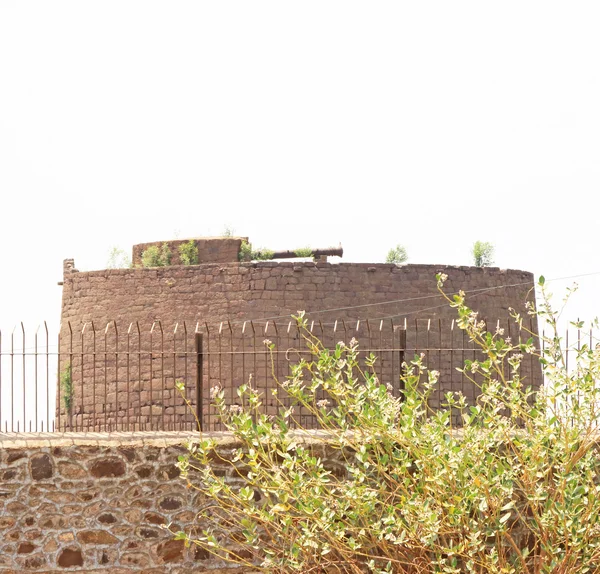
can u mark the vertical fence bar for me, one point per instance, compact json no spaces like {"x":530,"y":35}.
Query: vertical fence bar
{"x":12,"y":381}
{"x":231,"y":363}
{"x":254,"y":353}
{"x":185,"y":374}
{"x":35,"y":376}
{"x":106,"y":377}
{"x":151,"y":374}
{"x":128,"y":379}
{"x":95,"y":408}
{"x":452,"y":368}
{"x":162,"y":375}
{"x":174,"y":387}
{"x":139,"y":362}
{"x":47,"y":380}
{"x":116,"y":376}
{"x":402,"y":354}
{"x":243,"y":343}
{"x":208,"y":372}
{"x":220,"y":355}
{"x":58,"y":408}
{"x":276,"y":358}
{"x":266,"y":352}
{"x":199,"y":382}
{"x":82,"y":374}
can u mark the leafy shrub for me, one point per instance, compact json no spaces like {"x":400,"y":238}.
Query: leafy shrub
{"x":118,"y":259}
{"x":247,"y":253}
{"x":397,"y":255}
{"x":165,"y":255}
{"x":154,"y":256}
{"x":483,"y":254}
{"x":304,"y":252}
{"x":188,"y":253}
{"x":516,"y":489}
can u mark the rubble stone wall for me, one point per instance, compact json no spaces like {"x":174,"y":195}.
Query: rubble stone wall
{"x":96,"y":503}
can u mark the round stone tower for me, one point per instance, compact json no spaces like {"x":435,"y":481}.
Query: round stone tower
{"x":129,"y":334}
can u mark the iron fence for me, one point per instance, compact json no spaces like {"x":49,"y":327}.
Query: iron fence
{"x":122,"y":377}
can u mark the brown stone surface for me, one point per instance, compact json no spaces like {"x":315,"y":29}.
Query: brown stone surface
{"x":107,"y":467}
{"x":47,"y":526}
{"x":25,"y":548}
{"x":171,"y":550}
{"x":41,"y":467}
{"x":208,"y":296}
{"x":96,"y":537}
{"x":69,"y":557}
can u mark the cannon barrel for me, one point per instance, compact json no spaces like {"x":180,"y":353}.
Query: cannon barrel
{"x":306,"y":252}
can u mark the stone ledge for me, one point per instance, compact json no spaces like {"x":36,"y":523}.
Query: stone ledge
{"x":161,"y":439}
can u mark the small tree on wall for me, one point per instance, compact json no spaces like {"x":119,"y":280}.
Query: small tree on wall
{"x":188,"y":253}
{"x":397,"y":255}
{"x":483,"y":254}
{"x":118,"y":259}
{"x":154,"y":256}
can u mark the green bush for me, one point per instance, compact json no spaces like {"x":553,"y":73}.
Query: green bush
{"x":155,"y":256}
{"x":483,"y":254}
{"x":516,"y":489}
{"x":188,"y":253}
{"x":304,"y":252}
{"x":247,"y":253}
{"x":397,"y":255}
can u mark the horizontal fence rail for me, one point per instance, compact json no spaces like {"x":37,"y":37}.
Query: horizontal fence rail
{"x":124,"y":376}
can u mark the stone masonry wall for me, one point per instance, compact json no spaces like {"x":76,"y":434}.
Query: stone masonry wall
{"x":235,"y":291}
{"x":96,"y":503}
{"x":217,"y":298}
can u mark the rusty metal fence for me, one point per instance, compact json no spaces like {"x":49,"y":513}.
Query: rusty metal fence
{"x":122,"y":377}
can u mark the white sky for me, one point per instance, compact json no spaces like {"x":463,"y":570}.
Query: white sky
{"x":431,"y":124}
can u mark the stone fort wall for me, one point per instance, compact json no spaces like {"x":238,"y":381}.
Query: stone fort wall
{"x":167,"y":307}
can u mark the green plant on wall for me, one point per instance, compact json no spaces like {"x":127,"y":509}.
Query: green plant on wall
{"x":165,"y":255}
{"x":483,"y":254}
{"x":247,"y":253}
{"x":155,"y":256}
{"x":397,"y":255}
{"x":151,"y":257}
{"x":66,"y":386}
{"x":118,"y":259}
{"x":188,"y":253}
{"x":304,"y":252}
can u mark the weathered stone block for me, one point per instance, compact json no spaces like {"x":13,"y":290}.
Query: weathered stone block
{"x":107,"y":467}
{"x":41,"y":467}
{"x":96,"y":537}
{"x":70,"y":557}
